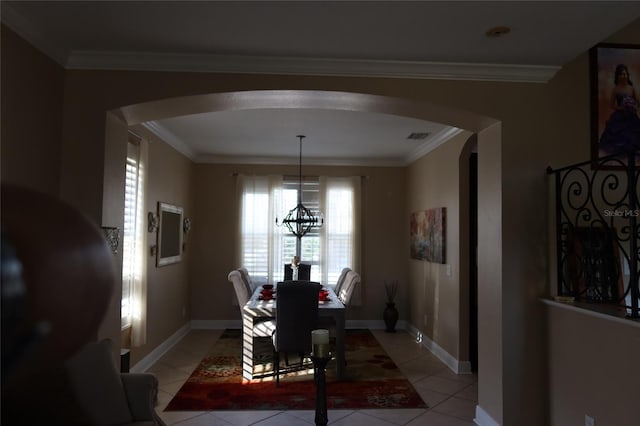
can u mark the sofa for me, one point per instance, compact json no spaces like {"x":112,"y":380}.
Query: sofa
{"x":108,"y":397}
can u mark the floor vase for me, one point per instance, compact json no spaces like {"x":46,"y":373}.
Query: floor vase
{"x":390,"y":317}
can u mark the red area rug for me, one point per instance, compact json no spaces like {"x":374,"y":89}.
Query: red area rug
{"x":373,"y":380}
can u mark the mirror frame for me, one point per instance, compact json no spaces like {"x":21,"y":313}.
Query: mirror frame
{"x":169,"y":231}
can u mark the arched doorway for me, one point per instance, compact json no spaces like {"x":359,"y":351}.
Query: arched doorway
{"x":468,"y":172}
{"x":488,"y":136}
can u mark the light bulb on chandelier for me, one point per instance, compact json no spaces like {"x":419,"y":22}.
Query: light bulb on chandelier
{"x":300,"y":219}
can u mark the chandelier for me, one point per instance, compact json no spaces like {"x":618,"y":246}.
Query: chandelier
{"x":300,"y":220}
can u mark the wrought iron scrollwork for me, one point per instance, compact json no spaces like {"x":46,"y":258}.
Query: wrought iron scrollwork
{"x":597,"y":231}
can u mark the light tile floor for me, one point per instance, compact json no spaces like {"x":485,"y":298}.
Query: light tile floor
{"x":451,"y":397}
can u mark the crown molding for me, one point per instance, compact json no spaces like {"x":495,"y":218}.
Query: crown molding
{"x":144,"y":61}
{"x":432,"y":143}
{"x":176,"y":62}
{"x":171,"y":139}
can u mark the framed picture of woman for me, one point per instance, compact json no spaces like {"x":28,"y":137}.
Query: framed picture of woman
{"x":615,"y":98}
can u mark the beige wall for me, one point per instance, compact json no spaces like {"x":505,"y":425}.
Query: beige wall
{"x":491,"y":345}
{"x":168,"y":304}
{"x":432,"y":182}
{"x":31,"y":116}
{"x":539,"y":125}
{"x":593,"y":365}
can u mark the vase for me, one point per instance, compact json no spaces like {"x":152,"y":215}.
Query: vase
{"x":390,"y":317}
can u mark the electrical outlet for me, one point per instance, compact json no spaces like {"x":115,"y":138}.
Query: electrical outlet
{"x":448,"y":270}
{"x":589,"y":421}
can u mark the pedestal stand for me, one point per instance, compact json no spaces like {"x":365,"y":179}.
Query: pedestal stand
{"x":319,"y":366}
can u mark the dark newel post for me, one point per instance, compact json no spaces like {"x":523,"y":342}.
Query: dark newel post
{"x":633,"y":240}
{"x":558,"y":210}
{"x":320,"y":363}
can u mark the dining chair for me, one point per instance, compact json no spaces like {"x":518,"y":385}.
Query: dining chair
{"x":341,"y":278}
{"x":296,"y":317}
{"x":344,"y":291}
{"x":328,"y":322}
{"x":304,"y":272}
{"x":263,"y":327}
{"x":336,"y":289}
{"x":241,"y":287}
{"x":351,"y":281}
{"x":247,"y":278}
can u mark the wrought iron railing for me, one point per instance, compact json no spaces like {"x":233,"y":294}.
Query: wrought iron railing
{"x":597,"y":232}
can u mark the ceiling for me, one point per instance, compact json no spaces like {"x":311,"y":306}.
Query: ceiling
{"x":409,"y":39}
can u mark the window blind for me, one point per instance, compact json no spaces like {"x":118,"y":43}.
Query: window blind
{"x":128,"y":234}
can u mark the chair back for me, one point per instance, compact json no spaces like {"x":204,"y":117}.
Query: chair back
{"x":296,"y":315}
{"x":244,"y":273}
{"x":304,"y":272}
{"x":243,"y":292}
{"x":346,"y":291}
{"x":341,"y":278}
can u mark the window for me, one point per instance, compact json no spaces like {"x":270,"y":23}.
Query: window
{"x":266,"y":248}
{"x":255,"y":234}
{"x":134,"y":243}
{"x":129,"y":232}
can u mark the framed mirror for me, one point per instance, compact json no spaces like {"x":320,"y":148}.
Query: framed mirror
{"x":169,"y":234}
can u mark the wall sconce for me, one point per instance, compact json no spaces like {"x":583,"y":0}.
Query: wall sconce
{"x":186,"y":225}
{"x":112,"y":235}
{"x":152,"y":219}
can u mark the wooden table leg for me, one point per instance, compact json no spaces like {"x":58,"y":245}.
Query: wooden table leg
{"x":340,"y":347}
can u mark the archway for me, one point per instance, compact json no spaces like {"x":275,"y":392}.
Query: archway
{"x":486,"y":129}
{"x":298,"y":99}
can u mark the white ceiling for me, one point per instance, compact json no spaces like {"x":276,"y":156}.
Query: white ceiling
{"x":410,"y":39}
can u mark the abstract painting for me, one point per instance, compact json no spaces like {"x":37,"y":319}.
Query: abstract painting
{"x":428,"y":235}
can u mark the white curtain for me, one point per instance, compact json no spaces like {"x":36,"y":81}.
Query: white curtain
{"x":139,"y":265}
{"x":340,"y":235}
{"x":260,"y":248}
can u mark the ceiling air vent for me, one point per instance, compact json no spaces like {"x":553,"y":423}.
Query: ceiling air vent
{"x":418,"y":135}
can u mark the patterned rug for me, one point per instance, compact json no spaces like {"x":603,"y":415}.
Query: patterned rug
{"x":373,"y":380}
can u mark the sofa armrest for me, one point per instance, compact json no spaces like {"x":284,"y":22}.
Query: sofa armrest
{"x":142,"y":395}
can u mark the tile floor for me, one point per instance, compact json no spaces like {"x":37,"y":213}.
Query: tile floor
{"x":451,"y":398}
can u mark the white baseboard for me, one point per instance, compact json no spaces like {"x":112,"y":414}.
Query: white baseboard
{"x":483,"y":418}
{"x":458,"y":367}
{"x":146,"y":362}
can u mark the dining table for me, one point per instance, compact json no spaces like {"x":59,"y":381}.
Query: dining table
{"x":258,"y":308}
